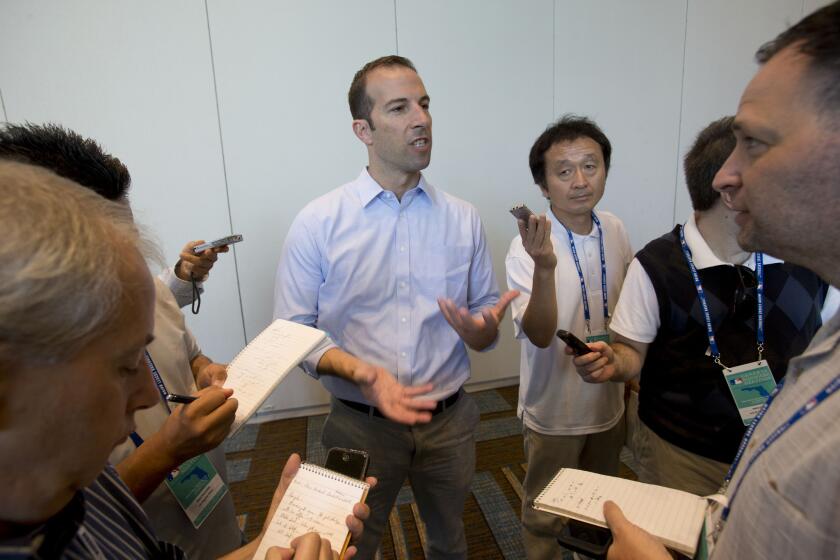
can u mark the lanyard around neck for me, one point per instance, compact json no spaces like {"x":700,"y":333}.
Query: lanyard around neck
{"x":701,"y":295}
{"x":584,"y":295}
{"x":135,"y":437}
{"x":805,"y":409}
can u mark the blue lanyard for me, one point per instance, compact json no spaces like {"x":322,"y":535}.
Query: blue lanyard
{"x":701,"y":295}
{"x":135,"y":437}
{"x":586,"y":314}
{"x":806,"y":408}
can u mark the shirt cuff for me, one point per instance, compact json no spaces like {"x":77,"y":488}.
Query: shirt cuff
{"x":181,"y":289}
{"x":310,"y":363}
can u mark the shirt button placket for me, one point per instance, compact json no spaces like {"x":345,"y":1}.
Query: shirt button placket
{"x":403,"y":372}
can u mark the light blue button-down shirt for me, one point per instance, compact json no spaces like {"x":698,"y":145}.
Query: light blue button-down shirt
{"x":368,"y":269}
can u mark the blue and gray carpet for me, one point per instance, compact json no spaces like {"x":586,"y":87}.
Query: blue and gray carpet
{"x":491,"y":514}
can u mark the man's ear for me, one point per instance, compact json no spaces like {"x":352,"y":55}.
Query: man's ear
{"x":361,"y":128}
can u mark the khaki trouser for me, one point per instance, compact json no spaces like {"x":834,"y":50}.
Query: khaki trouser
{"x":666,"y":464}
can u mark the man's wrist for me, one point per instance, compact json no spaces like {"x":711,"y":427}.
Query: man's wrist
{"x":165,"y":449}
{"x":544,"y":271}
{"x":357,"y":375}
{"x":179,"y":272}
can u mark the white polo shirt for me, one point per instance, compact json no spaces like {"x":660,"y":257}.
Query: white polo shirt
{"x":553,"y":399}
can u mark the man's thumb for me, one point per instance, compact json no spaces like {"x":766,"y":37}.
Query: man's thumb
{"x":614,"y":516}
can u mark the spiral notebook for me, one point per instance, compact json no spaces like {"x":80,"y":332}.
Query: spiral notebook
{"x":257,"y":370}
{"x":672,"y":516}
{"x":318,"y":500}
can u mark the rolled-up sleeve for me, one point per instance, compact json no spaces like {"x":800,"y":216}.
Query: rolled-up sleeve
{"x":483,"y":288}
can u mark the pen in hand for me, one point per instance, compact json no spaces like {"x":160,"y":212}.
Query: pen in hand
{"x":180,"y":399}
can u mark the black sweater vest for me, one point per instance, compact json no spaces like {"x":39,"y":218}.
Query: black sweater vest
{"x":684,"y":397}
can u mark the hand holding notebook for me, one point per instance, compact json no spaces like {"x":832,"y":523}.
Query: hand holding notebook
{"x":674,"y":517}
{"x":316,"y":500}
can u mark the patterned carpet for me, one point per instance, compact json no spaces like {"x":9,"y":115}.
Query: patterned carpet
{"x":491,"y":514}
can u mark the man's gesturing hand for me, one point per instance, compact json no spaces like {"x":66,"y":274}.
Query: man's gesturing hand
{"x":477,"y":330}
{"x":396,"y":402}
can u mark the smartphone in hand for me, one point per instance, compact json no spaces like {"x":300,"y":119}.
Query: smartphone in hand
{"x":521,"y":212}
{"x":577,"y":345}
{"x":349,"y":462}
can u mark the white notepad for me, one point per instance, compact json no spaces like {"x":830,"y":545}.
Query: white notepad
{"x":672,"y":516}
{"x":317,"y":500}
{"x":255,"y":372}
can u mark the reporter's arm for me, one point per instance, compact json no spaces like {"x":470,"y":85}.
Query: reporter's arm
{"x":619,"y":361}
{"x":189,"y":431}
{"x":539,"y":322}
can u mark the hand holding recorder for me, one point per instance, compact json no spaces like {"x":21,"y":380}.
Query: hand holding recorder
{"x":535,"y":232}
{"x":197,"y":257}
{"x":595,"y":362}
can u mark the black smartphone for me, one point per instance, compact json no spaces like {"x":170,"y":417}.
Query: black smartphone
{"x":349,"y":462}
{"x":577,"y":345}
{"x":589,"y":540}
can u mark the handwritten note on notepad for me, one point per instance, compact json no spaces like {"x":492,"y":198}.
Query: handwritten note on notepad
{"x":317,"y":500}
{"x":673,"y":516}
{"x":265,"y":362}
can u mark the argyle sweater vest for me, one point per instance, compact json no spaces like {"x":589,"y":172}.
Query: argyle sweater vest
{"x":684,"y":398}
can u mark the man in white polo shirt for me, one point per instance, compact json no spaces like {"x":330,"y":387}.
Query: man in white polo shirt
{"x":568,"y":266}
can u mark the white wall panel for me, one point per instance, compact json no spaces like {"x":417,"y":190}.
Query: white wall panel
{"x":719,"y":62}
{"x":137,"y":77}
{"x":283,"y":70}
{"x":621,"y":64}
{"x":809,"y":6}
{"x":487,"y":68}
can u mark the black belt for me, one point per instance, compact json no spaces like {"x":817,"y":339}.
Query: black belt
{"x":373,"y":411}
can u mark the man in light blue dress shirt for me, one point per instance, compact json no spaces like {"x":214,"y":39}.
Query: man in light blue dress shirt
{"x":398,"y":274}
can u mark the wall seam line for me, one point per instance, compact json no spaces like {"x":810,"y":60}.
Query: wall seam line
{"x":679,"y":121}
{"x":224,"y":167}
{"x":553,"y":60}
{"x":3,"y":107}
{"x":397,"y":30}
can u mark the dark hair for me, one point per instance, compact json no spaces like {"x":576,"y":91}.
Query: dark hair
{"x":818,"y":37}
{"x":704,"y":159}
{"x":568,"y":129}
{"x":360,"y":102}
{"x":67,"y":154}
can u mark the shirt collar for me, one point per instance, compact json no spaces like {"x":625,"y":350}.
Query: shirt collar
{"x":702,"y":254}
{"x":559,"y":229}
{"x":50,"y":539}
{"x":367,"y":189}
